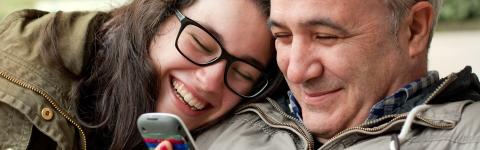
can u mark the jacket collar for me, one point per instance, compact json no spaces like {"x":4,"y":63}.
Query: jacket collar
{"x":466,"y":86}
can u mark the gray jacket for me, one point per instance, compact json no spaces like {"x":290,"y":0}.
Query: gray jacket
{"x":259,"y":125}
{"x":449,"y":122}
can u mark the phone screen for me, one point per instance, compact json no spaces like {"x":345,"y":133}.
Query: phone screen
{"x":153,"y":139}
{"x":157,"y":127}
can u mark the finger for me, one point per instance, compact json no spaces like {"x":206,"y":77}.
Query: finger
{"x":164,"y":145}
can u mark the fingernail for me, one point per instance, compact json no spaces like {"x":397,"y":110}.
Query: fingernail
{"x":163,"y":147}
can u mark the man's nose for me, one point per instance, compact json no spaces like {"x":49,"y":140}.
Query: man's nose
{"x":211,"y":77}
{"x":304,"y":63}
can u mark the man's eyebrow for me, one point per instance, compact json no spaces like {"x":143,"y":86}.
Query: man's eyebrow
{"x":272,"y":23}
{"x":324,"y":22}
{"x":312,"y":23}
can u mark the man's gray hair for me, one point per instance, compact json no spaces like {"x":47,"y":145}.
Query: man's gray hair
{"x":401,"y":7}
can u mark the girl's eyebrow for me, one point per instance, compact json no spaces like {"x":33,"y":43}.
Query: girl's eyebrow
{"x":253,"y":61}
{"x":215,"y":34}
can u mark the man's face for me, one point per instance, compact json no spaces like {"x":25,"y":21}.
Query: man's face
{"x":339,"y":58}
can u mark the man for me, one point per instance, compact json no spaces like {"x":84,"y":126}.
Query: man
{"x":350,"y":62}
{"x":357,"y":71}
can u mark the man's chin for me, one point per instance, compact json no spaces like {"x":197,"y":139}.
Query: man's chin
{"x":323,"y":126}
{"x":323,"y":134}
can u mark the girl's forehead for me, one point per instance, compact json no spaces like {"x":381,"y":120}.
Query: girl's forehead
{"x":240,"y":26}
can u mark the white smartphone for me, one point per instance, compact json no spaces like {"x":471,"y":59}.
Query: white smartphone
{"x":157,"y":127}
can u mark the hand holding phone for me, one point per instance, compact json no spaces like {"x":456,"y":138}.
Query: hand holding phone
{"x":164,"y":145}
{"x":157,"y":127}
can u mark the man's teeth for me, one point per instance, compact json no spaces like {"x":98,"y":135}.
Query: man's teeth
{"x":187,"y":97}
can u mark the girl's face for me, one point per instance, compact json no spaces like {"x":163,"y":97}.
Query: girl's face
{"x":198,"y":94}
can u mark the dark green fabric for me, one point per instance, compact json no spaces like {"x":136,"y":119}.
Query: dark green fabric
{"x":22,"y":37}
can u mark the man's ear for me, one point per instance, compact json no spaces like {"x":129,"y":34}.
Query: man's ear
{"x":419,"y":23}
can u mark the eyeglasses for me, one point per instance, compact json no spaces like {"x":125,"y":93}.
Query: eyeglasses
{"x":201,"y":48}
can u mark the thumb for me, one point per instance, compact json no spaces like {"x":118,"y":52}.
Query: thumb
{"x":164,"y":145}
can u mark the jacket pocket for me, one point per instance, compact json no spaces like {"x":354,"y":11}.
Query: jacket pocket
{"x":15,"y":128}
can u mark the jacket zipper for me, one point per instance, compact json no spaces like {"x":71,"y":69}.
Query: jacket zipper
{"x":306,"y":132}
{"x":395,"y":117}
{"x":448,"y":81}
{"x":269,"y":121}
{"x":51,"y":101}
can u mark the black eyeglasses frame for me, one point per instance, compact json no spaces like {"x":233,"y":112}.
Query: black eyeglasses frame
{"x":184,"y":22}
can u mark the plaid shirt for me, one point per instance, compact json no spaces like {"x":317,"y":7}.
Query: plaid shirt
{"x":404,"y":97}
{"x":402,"y":100}
{"x":294,"y":107}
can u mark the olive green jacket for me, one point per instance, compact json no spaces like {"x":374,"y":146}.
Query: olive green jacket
{"x":35,"y":111}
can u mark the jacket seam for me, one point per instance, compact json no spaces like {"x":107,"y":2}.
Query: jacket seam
{"x":9,"y":20}
{"x":437,"y":140}
{"x":34,"y":72}
{"x":28,"y":67}
{"x":257,"y":122}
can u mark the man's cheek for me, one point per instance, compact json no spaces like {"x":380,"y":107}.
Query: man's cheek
{"x":282,"y":61}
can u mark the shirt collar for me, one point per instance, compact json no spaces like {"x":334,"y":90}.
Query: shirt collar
{"x":394,"y":103}
{"x":294,"y":107}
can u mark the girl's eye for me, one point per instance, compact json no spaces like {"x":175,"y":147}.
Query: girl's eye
{"x":244,"y":75}
{"x":202,"y":46}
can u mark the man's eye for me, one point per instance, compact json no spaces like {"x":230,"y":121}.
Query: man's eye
{"x":282,"y":38}
{"x":325,"y":37}
{"x":281,"y":35}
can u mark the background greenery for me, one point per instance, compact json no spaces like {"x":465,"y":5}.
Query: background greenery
{"x":460,"y":15}
{"x":8,"y":6}
{"x":455,"y":14}
{"x":457,"y":10}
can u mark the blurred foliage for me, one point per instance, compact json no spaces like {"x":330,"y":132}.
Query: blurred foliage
{"x":459,"y":10}
{"x":9,"y":6}
{"x":453,"y":12}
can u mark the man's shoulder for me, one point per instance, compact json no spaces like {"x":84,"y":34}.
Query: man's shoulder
{"x":470,"y":117}
{"x":464,"y":134}
{"x":466,"y":129}
{"x":462,"y":113}
{"x":244,"y":131}
{"x":247,"y":118}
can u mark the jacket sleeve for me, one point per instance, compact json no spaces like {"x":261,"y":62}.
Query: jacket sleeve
{"x":33,"y":92}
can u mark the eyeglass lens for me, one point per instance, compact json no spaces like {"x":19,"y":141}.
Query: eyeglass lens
{"x":201,"y":48}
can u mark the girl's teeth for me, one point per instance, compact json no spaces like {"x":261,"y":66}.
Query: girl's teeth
{"x":187,"y":96}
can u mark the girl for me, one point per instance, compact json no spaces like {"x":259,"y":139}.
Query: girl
{"x":78,"y":79}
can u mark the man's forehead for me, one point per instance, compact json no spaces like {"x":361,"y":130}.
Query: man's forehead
{"x":302,"y":13}
{"x":327,"y":12}
{"x":302,"y":9}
